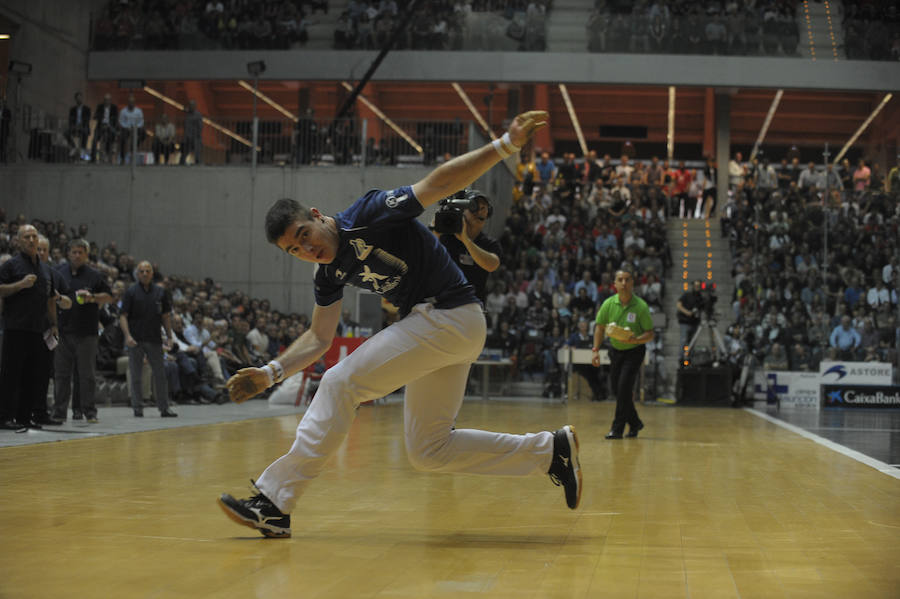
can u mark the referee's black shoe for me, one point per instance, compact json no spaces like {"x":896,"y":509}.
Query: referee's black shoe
{"x":565,"y":469}
{"x":257,"y":512}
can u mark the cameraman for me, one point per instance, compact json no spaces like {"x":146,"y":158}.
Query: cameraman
{"x":689,"y":306}
{"x":475,"y":253}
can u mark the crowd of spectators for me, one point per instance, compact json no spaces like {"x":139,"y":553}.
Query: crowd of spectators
{"x":216,"y":332}
{"x":871,"y":30}
{"x":726,"y":27}
{"x":792,"y":310}
{"x":571,"y":226}
{"x":284,"y":24}
{"x":198,"y":24}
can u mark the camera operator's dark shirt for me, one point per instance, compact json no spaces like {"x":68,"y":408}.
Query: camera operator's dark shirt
{"x":474,"y":274}
{"x":691,"y":301}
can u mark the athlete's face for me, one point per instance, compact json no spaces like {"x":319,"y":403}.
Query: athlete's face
{"x":314,"y":240}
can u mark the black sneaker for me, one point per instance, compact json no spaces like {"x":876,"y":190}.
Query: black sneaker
{"x":565,"y":470}
{"x":257,"y":512}
{"x":77,"y":416}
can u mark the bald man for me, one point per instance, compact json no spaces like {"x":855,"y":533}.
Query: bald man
{"x":146,"y":308}
{"x":29,"y":315}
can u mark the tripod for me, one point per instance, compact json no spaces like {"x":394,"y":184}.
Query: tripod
{"x":715,"y":338}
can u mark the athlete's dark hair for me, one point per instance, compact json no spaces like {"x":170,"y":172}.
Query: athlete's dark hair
{"x":280,"y":216}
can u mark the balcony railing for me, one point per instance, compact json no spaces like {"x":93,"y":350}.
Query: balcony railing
{"x":39,"y":137}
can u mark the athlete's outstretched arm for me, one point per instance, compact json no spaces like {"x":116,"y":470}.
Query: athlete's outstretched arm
{"x":305,"y":350}
{"x":463,"y":170}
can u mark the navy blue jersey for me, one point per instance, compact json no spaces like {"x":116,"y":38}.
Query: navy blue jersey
{"x":383,"y":248}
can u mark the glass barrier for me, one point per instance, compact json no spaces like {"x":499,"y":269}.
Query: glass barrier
{"x":229,"y":141}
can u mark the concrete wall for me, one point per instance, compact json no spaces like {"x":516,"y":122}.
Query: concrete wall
{"x":205,"y":221}
{"x":540,"y":67}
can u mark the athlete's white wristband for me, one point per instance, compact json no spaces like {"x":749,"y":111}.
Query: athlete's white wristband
{"x":505,"y":147}
{"x":277,"y":370}
{"x":268,"y":370}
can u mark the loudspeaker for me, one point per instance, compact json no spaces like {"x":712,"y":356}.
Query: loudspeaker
{"x":704,"y":386}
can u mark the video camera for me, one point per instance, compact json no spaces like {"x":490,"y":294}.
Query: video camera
{"x":449,"y":215}
{"x":708,"y":299}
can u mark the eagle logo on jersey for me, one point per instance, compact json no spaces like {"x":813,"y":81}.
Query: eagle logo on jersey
{"x":369,"y":276}
{"x":361,"y":248}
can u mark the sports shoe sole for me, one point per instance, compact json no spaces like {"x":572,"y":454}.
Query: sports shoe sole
{"x":237,"y":518}
{"x":573,"y":442}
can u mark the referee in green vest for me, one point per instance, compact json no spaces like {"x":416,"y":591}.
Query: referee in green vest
{"x":633,"y":328}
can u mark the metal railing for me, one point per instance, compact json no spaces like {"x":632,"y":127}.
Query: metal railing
{"x":38,"y":137}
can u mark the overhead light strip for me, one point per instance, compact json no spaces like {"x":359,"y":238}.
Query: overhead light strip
{"x":268,"y":100}
{"x":206,"y":121}
{"x":387,"y":121}
{"x":574,"y":118}
{"x":765,"y":128}
{"x":670,"y":134}
{"x":866,"y":123}
{"x":475,"y":114}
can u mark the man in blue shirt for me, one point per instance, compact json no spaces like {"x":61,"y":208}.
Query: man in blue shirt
{"x":377,"y":244}
{"x":845,"y":338}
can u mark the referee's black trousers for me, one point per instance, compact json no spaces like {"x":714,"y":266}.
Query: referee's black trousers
{"x":624,"y":366}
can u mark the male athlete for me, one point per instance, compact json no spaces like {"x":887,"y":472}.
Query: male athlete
{"x":377,"y":244}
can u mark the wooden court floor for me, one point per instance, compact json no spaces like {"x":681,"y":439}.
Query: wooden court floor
{"x":710,"y":503}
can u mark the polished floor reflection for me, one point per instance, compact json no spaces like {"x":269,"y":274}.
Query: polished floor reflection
{"x":707,"y":502}
{"x":873,"y":432}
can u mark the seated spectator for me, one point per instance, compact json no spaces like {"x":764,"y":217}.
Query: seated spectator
{"x":845,"y":339}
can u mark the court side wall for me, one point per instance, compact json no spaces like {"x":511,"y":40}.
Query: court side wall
{"x":206,"y":221}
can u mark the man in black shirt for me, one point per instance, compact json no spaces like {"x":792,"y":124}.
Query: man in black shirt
{"x":688,"y":306}
{"x":77,"y":350}
{"x":145,"y":308}
{"x":476,"y":253}
{"x":28,"y":303}
{"x":39,"y":413}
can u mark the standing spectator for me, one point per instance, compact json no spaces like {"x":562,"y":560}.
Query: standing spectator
{"x":193,"y":129}
{"x":79,"y":126}
{"x":626,"y":319}
{"x":131,"y":122}
{"x":164,"y":140}
{"x":546,"y":170}
{"x":28,"y":302}
{"x":809,"y":178}
{"x":146,"y":308}
{"x":892,"y":183}
{"x":736,"y":171}
{"x":845,"y":339}
{"x":107,"y":121}
{"x":39,"y":413}
{"x":861,"y":177}
{"x":77,"y":351}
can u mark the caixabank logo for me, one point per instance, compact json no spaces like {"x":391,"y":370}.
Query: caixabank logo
{"x":860,"y":396}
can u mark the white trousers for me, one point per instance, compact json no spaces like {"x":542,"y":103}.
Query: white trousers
{"x":430,"y":351}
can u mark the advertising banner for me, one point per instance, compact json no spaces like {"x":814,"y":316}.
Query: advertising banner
{"x":791,"y":389}
{"x":855,"y":373}
{"x":861,"y":396}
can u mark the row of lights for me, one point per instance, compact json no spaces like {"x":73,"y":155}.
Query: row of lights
{"x":809,"y":33}
{"x":686,"y":283}
{"x":831,"y":30}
